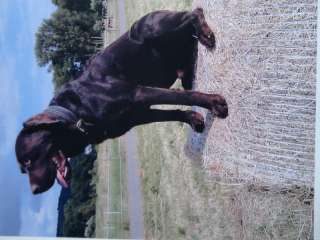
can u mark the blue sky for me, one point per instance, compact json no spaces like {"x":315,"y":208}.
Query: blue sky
{"x":25,"y":89}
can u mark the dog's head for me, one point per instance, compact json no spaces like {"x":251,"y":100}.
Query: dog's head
{"x":43,"y":147}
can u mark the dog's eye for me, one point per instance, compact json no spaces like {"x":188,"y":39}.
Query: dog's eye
{"x":28,"y":163}
{"x":27,"y":166}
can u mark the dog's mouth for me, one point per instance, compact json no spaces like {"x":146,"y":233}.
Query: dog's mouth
{"x":63,"y":168}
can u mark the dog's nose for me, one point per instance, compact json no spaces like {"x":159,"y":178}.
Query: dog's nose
{"x":35,"y":189}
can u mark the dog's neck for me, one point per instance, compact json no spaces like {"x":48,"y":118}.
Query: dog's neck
{"x":69,"y":117}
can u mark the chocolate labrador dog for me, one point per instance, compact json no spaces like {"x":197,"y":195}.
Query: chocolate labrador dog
{"x":115,"y":93}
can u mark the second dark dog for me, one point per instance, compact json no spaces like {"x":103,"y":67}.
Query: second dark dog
{"x":115,"y":93}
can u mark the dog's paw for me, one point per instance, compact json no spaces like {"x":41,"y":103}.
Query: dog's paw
{"x":196,"y":121}
{"x":219,"y":106}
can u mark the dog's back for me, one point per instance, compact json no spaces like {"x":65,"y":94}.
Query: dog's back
{"x":150,"y":53}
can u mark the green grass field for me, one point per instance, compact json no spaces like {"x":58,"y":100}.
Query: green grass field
{"x":176,"y":194}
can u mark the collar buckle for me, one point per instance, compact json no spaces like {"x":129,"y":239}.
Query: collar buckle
{"x":80,"y":126}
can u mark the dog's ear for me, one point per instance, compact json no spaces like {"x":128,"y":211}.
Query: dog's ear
{"x":41,"y":121}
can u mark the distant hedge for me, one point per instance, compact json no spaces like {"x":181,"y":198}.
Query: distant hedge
{"x":82,"y":202}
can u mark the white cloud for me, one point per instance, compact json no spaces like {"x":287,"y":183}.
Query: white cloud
{"x":44,"y":221}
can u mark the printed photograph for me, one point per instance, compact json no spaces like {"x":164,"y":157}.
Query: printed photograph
{"x":158,"y":119}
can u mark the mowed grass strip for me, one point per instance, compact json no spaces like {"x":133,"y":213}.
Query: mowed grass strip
{"x":112,"y":219}
{"x":101,"y":205}
{"x":118,"y":212}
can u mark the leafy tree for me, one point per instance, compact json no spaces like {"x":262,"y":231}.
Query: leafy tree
{"x":64,"y":43}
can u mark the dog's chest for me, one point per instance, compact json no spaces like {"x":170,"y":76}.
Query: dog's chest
{"x":112,"y":127}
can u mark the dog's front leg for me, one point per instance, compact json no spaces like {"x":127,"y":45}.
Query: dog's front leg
{"x":144,"y":116}
{"x":154,"y":96}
